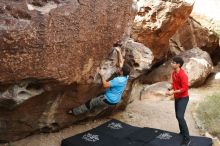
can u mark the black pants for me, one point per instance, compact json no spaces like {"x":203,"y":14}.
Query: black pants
{"x":180,"y":108}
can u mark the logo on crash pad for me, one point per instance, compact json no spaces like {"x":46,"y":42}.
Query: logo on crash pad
{"x":90,"y":137}
{"x":114,"y":125}
{"x":164,"y":136}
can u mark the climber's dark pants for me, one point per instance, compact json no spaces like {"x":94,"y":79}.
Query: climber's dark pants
{"x":180,"y":108}
{"x":98,"y":101}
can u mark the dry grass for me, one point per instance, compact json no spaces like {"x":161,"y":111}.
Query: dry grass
{"x":209,"y":114}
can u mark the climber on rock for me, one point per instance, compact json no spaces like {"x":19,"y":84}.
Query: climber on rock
{"x":115,"y":89}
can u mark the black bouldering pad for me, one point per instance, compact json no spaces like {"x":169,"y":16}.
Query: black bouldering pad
{"x":117,"y":129}
{"x":117,"y":133}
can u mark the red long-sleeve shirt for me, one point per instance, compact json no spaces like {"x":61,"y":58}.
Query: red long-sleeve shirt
{"x":180,"y":82}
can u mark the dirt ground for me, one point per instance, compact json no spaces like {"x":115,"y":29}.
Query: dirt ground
{"x":144,"y":113}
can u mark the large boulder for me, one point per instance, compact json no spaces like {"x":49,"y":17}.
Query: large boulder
{"x":213,"y":80}
{"x":49,"y":54}
{"x":155,"y":91}
{"x":61,"y":40}
{"x":157,"y":21}
{"x":191,"y":35}
{"x":150,"y":92}
{"x":213,"y":25}
{"x":198,"y":65}
{"x":138,"y":56}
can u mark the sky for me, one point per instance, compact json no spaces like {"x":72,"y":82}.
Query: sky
{"x":210,"y":8}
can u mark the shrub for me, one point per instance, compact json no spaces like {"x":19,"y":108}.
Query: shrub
{"x":208,"y":113}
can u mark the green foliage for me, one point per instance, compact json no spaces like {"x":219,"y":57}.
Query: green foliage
{"x":217,"y":30}
{"x":209,"y":114}
{"x":9,"y":144}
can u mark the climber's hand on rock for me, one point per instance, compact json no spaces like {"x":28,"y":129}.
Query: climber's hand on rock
{"x":101,"y":72}
{"x":117,"y":49}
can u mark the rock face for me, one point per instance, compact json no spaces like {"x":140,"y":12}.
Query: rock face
{"x":198,"y":65}
{"x":214,"y":78}
{"x":155,"y":91}
{"x":191,"y":35}
{"x":138,"y":56}
{"x":49,"y":54}
{"x":49,"y":39}
{"x":157,"y":21}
